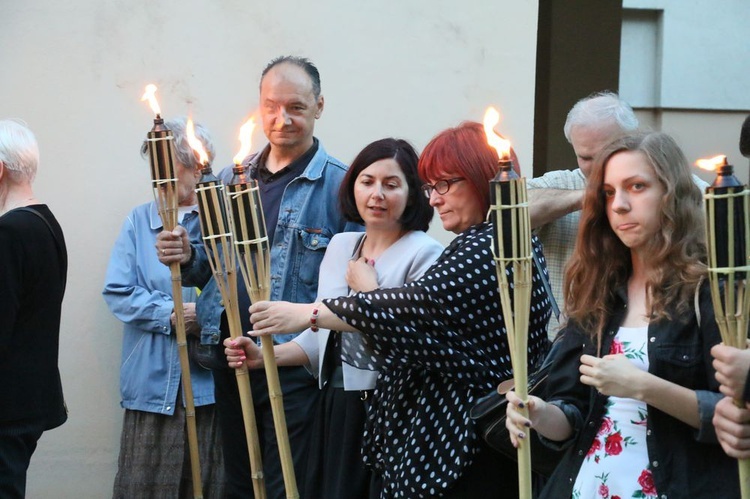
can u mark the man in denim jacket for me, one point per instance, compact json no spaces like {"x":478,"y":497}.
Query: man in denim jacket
{"x":299,"y":185}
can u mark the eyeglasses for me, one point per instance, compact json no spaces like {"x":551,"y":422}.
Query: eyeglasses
{"x":441,"y":186}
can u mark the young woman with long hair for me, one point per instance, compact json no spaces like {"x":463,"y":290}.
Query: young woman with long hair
{"x":632,"y":390}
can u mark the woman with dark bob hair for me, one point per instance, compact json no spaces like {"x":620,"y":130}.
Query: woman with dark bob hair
{"x":632,"y":389}
{"x":439,"y":341}
{"x":381,"y":190}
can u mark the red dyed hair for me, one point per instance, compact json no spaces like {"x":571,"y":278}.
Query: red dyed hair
{"x":463,"y":151}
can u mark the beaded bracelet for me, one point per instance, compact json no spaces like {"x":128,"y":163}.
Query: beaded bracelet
{"x":314,"y":320}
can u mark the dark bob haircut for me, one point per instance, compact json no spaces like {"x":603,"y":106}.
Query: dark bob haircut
{"x":418,"y":212}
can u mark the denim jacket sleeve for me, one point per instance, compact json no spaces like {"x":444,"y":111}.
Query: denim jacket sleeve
{"x":564,"y":388}
{"x":135,"y":279}
{"x":707,"y":401}
{"x":209,"y":305}
{"x":710,"y":335}
{"x":197,"y":272}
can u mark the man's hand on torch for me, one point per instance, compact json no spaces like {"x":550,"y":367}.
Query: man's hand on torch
{"x":732,"y":366}
{"x":173,"y":246}
{"x":732,"y":425}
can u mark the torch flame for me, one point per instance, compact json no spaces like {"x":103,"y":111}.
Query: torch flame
{"x":246,"y":135}
{"x":712,"y":164}
{"x":149,"y":95}
{"x":502,"y":146}
{"x":195,"y":143}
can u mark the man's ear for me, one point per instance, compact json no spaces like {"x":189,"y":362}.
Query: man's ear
{"x":2,"y":170}
{"x":321,"y":104}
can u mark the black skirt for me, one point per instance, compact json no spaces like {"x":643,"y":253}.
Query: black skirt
{"x":335,"y":469}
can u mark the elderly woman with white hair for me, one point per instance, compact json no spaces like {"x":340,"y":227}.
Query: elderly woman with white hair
{"x":34,"y":264}
{"x":154,"y":454}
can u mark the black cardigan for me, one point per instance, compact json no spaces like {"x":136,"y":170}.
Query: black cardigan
{"x":33,"y":266}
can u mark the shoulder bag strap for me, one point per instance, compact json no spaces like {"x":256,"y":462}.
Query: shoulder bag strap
{"x":547,"y":287}
{"x":58,"y":245}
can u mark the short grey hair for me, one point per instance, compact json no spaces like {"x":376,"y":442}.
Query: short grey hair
{"x":601,"y":109}
{"x":182,"y":150}
{"x":19,"y":150}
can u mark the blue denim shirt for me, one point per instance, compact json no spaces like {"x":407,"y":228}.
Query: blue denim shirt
{"x":309,"y":217}
{"x":138,"y":291}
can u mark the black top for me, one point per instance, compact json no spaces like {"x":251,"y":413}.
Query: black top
{"x":33,"y":265}
{"x":685,"y":462}
{"x":273,"y":185}
{"x":440,"y":344}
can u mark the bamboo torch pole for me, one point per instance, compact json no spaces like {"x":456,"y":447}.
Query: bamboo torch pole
{"x":728,"y":239}
{"x":219,"y":244}
{"x":509,"y":213}
{"x":251,"y":240}
{"x":164,"y":182}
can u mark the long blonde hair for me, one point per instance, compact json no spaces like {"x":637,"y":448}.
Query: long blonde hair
{"x":601,"y":263}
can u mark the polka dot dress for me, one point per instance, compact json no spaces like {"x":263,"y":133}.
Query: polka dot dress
{"x":439,"y":343}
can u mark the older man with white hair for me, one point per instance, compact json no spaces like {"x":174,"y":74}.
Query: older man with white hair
{"x":34,"y":264}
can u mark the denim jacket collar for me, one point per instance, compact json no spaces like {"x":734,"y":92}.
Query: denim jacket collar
{"x":154,"y":220}
{"x":314,"y":168}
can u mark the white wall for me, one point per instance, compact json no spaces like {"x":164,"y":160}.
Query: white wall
{"x":684,"y":68}
{"x":75,"y":70}
{"x":704,"y":55}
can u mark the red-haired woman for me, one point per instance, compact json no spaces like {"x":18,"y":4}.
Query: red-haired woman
{"x":632,"y":389}
{"x":439,"y":342}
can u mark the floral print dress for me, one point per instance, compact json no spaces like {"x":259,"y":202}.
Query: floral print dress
{"x":617,"y":465}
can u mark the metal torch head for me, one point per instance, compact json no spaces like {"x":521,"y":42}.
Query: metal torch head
{"x":727,"y":231}
{"x":509,"y":214}
{"x":160,"y":144}
{"x":212,"y":204}
{"x":248,"y":221}
{"x":506,"y":171}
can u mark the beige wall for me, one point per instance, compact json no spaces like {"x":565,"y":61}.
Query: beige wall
{"x":75,"y":70}
{"x":702,"y":134}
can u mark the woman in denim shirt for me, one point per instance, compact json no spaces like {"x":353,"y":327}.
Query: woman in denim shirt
{"x":633,"y":392}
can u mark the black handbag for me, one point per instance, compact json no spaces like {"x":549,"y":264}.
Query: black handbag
{"x":488,"y":415}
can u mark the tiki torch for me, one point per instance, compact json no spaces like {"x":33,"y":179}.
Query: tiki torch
{"x":251,"y":241}
{"x":164,"y":182}
{"x":728,"y":238}
{"x":217,"y":238}
{"x":509,"y":213}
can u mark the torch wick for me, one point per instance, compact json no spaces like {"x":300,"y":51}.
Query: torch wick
{"x":726,"y":169}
